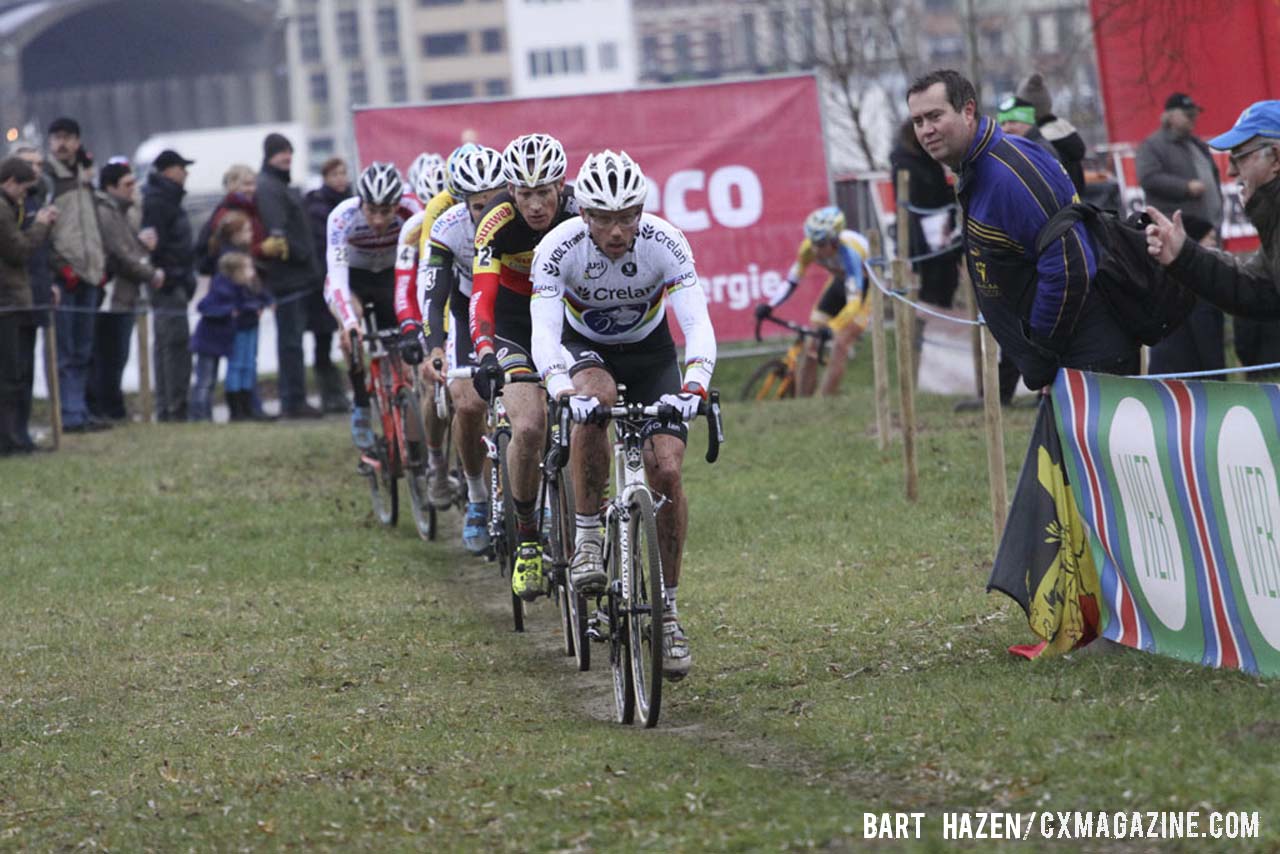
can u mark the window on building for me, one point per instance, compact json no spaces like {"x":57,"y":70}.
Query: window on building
{"x":388,"y":31}
{"x":576,"y":59}
{"x":491,"y":40}
{"x":557,"y":60}
{"x":778,"y":23}
{"x":749,"y":51}
{"x":357,"y":86}
{"x":608,"y":56}
{"x":713,"y":63}
{"x":684,"y":53}
{"x":808,"y":38}
{"x":444,"y":44}
{"x":495,"y":87}
{"x":348,"y":33}
{"x":309,"y":37}
{"x":440,"y":2}
{"x":450,"y":91}
{"x":397,"y":84}
{"x":650,"y":51}
{"x":318,"y":87}
{"x":1047,"y":33}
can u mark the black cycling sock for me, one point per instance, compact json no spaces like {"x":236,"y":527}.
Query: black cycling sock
{"x":526,"y":520}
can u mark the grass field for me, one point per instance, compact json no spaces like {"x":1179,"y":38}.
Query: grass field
{"x":208,"y":644}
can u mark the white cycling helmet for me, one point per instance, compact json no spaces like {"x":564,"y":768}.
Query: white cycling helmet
{"x":380,"y":184}
{"x":475,"y":170}
{"x":427,"y":176}
{"x":533,"y":160}
{"x":610,"y":181}
{"x":824,"y":224}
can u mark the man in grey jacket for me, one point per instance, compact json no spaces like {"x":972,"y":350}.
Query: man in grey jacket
{"x":290,"y":270}
{"x":78,"y":264}
{"x":129,"y":265}
{"x":1247,"y":286}
{"x":1176,"y":168}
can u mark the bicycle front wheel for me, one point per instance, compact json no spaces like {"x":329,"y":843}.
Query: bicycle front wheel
{"x":384,"y":475}
{"x":644,"y":606}
{"x":507,"y":554}
{"x":415,"y":464}
{"x":624,"y":695}
{"x":560,"y":501}
{"x":770,"y":380}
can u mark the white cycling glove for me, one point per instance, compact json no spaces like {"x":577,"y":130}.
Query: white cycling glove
{"x":684,"y":403}
{"x":582,"y":407}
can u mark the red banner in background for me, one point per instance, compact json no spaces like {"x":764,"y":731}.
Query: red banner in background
{"x":736,"y":166}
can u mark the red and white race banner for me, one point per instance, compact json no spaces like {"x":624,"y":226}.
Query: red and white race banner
{"x":736,"y":166}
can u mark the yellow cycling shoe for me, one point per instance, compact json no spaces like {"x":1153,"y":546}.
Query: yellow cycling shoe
{"x":526,"y":576}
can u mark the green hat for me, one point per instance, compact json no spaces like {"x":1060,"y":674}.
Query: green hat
{"x":1014,"y":109}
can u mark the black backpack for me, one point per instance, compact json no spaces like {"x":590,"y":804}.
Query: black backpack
{"x":1147,"y":302}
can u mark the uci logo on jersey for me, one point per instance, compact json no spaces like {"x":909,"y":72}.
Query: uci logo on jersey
{"x":611,"y":321}
{"x":595,"y":269}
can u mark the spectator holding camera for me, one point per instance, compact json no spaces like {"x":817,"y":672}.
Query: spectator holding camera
{"x":17,"y":331}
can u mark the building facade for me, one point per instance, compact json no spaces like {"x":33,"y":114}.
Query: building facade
{"x":565,"y":47}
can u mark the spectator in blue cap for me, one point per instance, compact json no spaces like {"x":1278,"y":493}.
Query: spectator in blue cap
{"x":1248,"y":286}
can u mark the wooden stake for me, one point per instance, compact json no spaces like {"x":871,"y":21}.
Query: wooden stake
{"x":51,"y":378}
{"x":903,"y":316}
{"x":995,"y":435}
{"x":879,"y":357}
{"x":144,"y":365}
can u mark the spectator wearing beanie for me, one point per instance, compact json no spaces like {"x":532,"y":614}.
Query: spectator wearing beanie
{"x":289,"y":270}
{"x":1196,"y":345}
{"x":78,"y":263}
{"x":320,"y":202}
{"x":1061,"y":134}
{"x":130,"y":270}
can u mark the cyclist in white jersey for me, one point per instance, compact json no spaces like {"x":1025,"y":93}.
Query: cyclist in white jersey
{"x":610,"y":274}
{"x":360,"y":253}
{"x":444,"y":281}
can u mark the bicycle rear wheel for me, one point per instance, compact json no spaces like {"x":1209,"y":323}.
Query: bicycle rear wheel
{"x":624,"y":695}
{"x":507,"y":551}
{"x":644,"y":607}
{"x":768,"y":381}
{"x":415,"y":464}
{"x":383,"y":476}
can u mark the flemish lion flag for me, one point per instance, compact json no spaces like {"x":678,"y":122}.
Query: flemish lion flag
{"x":1044,"y":561}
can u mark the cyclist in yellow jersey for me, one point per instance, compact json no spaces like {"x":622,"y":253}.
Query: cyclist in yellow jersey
{"x":843,"y":307}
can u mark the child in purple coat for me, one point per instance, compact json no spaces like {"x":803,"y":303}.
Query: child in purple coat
{"x":228,"y":329}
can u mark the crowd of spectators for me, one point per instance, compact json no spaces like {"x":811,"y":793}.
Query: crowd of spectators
{"x":72,"y":232}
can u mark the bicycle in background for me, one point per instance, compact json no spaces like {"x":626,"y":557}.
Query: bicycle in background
{"x":776,"y":378}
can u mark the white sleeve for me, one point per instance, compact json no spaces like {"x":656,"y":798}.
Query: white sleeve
{"x":337,"y":288}
{"x":689,"y":302}
{"x":546,"y":309}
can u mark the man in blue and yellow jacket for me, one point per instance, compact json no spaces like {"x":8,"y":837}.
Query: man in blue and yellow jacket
{"x":1042,"y":309}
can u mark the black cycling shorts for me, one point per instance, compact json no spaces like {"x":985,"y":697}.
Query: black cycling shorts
{"x":648,"y":368}
{"x":376,"y":288}
{"x":833,"y":298}
{"x":513,"y":332}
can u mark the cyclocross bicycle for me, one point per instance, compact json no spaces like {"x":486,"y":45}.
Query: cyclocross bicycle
{"x":776,"y":378}
{"x":628,"y":615}
{"x":399,"y":448}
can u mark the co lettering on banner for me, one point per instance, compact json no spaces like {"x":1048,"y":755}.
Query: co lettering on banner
{"x":732,"y":197}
